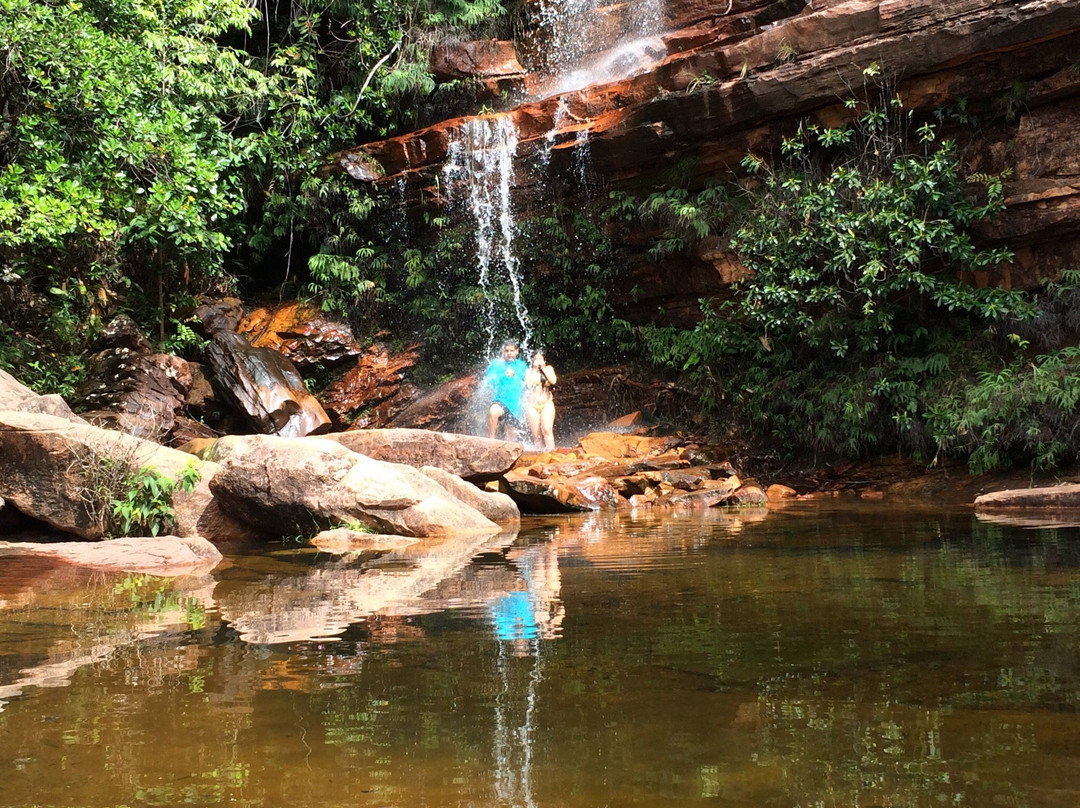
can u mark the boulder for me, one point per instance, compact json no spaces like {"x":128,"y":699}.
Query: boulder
{"x":777,"y":492}
{"x":495,"y":506}
{"x":1055,"y":496}
{"x":480,"y":58}
{"x":376,"y":379}
{"x":157,"y":555}
{"x":16,"y":396}
{"x":218,"y":316}
{"x":342,"y":540}
{"x":286,"y":484}
{"x":129,"y":387}
{"x":265,"y":387}
{"x":51,"y":468}
{"x":472,"y":458}
{"x":559,"y":494}
{"x":302,"y":332}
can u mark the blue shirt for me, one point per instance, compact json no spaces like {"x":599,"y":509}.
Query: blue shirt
{"x":508,"y":389}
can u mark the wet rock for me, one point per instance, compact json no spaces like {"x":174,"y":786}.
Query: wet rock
{"x":130,"y":388}
{"x":218,"y":316}
{"x":559,"y":494}
{"x":776,"y":492}
{"x":709,"y":495}
{"x":375,"y":380}
{"x":475,"y":459}
{"x":445,"y":409}
{"x":265,"y":387}
{"x":284,"y":484}
{"x":1049,"y":497}
{"x":301,"y":332}
{"x":481,"y":58}
{"x":343,"y":540}
{"x":153,"y":555}
{"x":749,"y":494}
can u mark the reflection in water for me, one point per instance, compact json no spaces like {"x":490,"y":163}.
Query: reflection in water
{"x":524,"y":621}
{"x":320,"y":602}
{"x":827,"y":654}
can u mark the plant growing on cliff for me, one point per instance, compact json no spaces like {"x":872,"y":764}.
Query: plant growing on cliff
{"x":858,"y":313}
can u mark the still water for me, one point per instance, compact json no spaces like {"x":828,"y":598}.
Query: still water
{"x":824,"y":654}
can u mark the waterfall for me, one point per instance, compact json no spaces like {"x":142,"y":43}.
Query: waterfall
{"x":482,"y":159}
{"x":585,"y":41}
{"x":589,"y":41}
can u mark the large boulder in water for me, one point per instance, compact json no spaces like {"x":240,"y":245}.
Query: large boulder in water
{"x":53,"y":470}
{"x":288,"y":484}
{"x":472,"y":458}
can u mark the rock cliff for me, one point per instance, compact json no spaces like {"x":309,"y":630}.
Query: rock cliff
{"x":738,"y":75}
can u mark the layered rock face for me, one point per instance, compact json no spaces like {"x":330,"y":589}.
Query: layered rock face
{"x":739,"y":75}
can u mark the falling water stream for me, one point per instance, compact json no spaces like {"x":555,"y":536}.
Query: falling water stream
{"x":484,"y":148}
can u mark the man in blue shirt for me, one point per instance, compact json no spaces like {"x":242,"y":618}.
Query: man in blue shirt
{"x":506,"y":379}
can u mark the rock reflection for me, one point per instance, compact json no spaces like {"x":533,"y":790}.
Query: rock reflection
{"x":321,"y":602}
{"x":86,"y":617}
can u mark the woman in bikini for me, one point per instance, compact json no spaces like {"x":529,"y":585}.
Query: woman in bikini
{"x":539,"y":403}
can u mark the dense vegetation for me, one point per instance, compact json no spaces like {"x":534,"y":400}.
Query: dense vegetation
{"x":155,"y":150}
{"x":858,"y":329}
{"x":152,"y":150}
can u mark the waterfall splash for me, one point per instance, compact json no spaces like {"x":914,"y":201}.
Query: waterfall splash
{"x":588,"y":41}
{"x":482,"y":159}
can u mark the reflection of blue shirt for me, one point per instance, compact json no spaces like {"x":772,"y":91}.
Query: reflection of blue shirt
{"x":508,"y":388}
{"x":513,"y":617}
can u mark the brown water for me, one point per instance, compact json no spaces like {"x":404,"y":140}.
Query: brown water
{"x":820,"y":655}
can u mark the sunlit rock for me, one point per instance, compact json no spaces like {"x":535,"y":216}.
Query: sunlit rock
{"x":375,"y":381}
{"x":495,"y":506}
{"x":283,"y":484}
{"x":343,"y":540}
{"x":150,"y":555}
{"x":559,"y":494}
{"x":52,"y":469}
{"x":16,"y":396}
{"x":1049,"y":497}
{"x":479,"y":58}
{"x":301,"y":332}
{"x":473,"y":458}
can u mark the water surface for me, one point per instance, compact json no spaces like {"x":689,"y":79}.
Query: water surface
{"x":824,"y":654}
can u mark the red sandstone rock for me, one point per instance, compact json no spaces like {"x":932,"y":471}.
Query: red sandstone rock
{"x":488,"y":57}
{"x":376,"y":378}
{"x":301,"y":332}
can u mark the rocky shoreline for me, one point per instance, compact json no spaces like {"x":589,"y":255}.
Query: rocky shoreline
{"x":369,"y":489}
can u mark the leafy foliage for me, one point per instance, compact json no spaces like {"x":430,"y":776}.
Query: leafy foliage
{"x":856,"y":329}
{"x":145,"y":504}
{"x":146,"y":147}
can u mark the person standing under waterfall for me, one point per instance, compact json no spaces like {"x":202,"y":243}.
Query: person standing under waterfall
{"x":539,"y":402}
{"x":506,"y":378}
